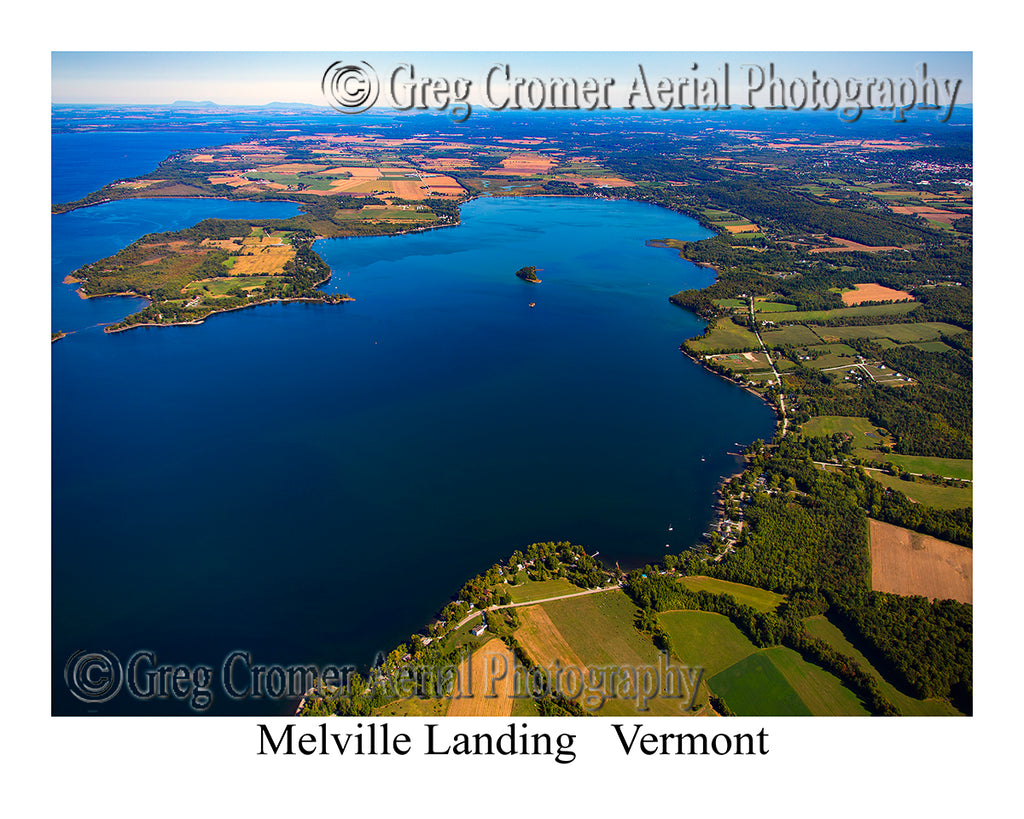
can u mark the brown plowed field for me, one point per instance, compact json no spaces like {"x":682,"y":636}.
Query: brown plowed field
{"x":905,"y":562}
{"x":874,"y":292}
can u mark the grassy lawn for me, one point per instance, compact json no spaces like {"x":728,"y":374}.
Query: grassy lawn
{"x":863,"y":431}
{"x":731,"y":302}
{"x":773,"y":307}
{"x":752,"y":596}
{"x":726,"y":335}
{"x":941,"y":497}
{"x":819,"y":626}
{"x":538,"y":590}
{"x":925,"y":465}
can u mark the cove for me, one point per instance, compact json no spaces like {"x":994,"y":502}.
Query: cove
{"x":310,"y":483}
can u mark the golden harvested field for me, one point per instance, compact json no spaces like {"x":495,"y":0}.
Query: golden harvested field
{"x":525,"y":164}
{"x":874,"y":292}
{"x":224,"y":244}
{"x":905,"y":562}
{"x":233,"y":181}
{"x":267,"y":260}
{"x":342,"y":185}
{"x":749,"y":228}
{"x":409,"y":189}
{"x":606,"y":181}
{"x":441,"y":185}
{"x":446,"y":164}
{"x":486,"y":666}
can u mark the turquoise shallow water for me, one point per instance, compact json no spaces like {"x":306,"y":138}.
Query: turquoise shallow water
{"x":311,"y":482}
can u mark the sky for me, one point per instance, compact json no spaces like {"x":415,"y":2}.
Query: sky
{"x":257,"y":78}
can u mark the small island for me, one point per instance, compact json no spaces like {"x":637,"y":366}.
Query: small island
{"x":528,"y":274}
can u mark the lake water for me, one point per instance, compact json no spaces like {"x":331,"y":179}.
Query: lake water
{"x":310,"y":483}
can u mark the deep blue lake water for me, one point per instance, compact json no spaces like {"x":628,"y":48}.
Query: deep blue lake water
{"x":311,"y":483}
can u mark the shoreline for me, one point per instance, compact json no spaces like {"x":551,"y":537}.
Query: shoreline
{"x":110,"y":331}
{"x":108,"y":200}
{"x":732,"y":380}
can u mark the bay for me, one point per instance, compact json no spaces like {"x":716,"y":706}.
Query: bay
{"x":310,"y":483}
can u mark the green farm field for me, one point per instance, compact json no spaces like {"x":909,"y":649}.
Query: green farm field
{"x":600,"y":629}
{"x":703,"y":639}
{"x":924,"y":465}
{"x":899,"y":333}
{"x":941,"y":497}
{"x":897,"y":309}
{"x":819,"y":690}
{"x":726,"y":335}
{"x":752,"y":596}
{"x":220,"y":287}
{"x":863,"y":431}
{"x":799,"y":335}
{"x":833,"y":349}
{"x":778,"y":681}
{"x":756,"y":687}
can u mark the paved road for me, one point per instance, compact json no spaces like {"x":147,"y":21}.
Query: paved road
{"x":475,"y":614}
{"x":881,"y":469}
{"x":778,"y":378}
